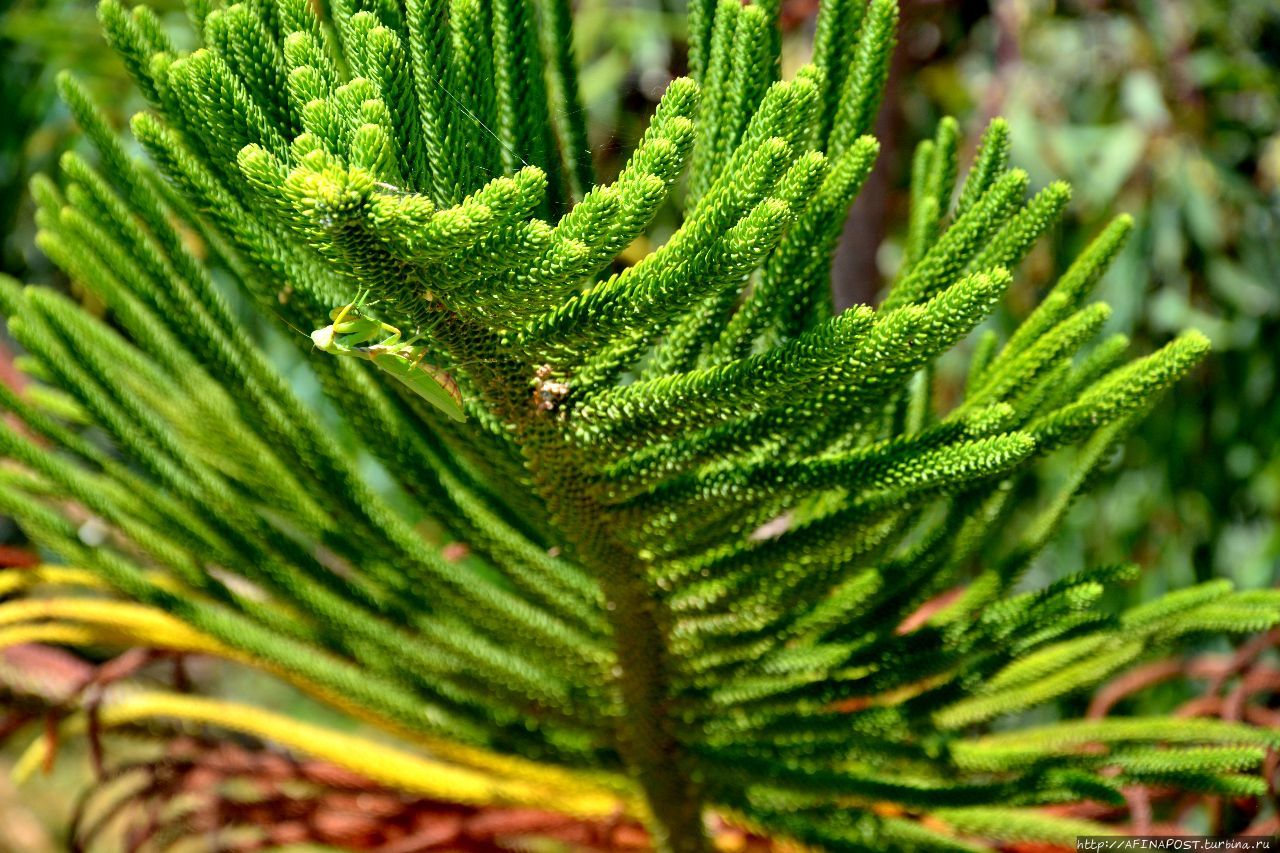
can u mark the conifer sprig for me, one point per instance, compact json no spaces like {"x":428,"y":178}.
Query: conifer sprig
{"x":701,"y":508}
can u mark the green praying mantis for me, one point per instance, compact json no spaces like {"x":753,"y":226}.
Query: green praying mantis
{"x":353,"y":334}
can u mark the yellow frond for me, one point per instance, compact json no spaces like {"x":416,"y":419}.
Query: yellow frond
{"x":379,"y":762}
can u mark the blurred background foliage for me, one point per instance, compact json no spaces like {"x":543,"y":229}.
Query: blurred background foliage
{"x":1169,"y":111}
{"x":1166,"y":109}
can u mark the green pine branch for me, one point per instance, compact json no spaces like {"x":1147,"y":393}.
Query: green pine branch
{"x":700,"y":510}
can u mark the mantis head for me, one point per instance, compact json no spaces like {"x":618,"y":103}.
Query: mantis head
{"x":323,"y":339}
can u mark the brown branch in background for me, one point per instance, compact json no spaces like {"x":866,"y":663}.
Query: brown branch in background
{"x":1131,"y":682}
{"x":17,"y":557}
{"x":1239,"y":687}
{"x":925,"y":611}
{"x":797,"y":13}
{"x":240,"y":796}
{"x":1246,"y":656}
{"x":42,"y":673}
{"x":244,"y":799}
{"x":10,"y":375}
{"x":855,"y":272}
{"x":1138,"y":800}
{"x":1007,"y":16}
